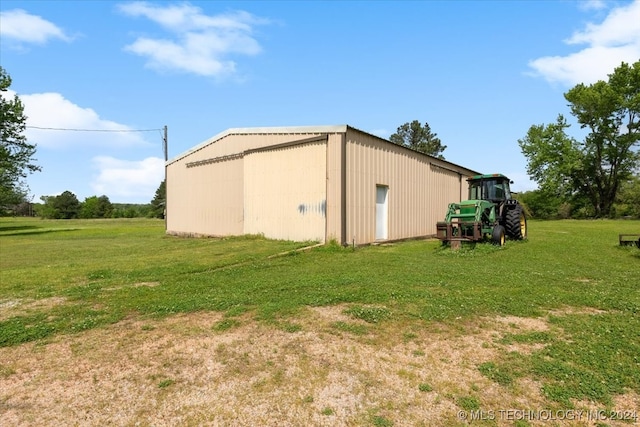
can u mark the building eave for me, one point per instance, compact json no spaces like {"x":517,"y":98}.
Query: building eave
{"x":261,"y":131}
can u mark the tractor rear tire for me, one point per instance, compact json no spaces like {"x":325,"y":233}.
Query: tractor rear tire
{"x":497,"y":235}
{"x":516,"y":223}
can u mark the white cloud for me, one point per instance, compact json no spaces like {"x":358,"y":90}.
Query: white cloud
{"x":125,"y":179}
{"x":20,"y":26}
{"x":80,"y":161}
{"x":621,"y":27}
{"x":592,"y":5}
{"x":197,"y":43}
{"x":614,"y":40}
{"x":52,"y":110}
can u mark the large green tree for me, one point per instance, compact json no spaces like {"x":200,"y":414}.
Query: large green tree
{"x":628,"y":201}
{"x":553,"y":157}
{"x":594,"y":168}
{"x":159,"y":202}
{"x":63,"y":206}
{"x":67,"y":205}
{"x":96,"y":207}
{"x":16,"y":154}
{"x":420,"y":138}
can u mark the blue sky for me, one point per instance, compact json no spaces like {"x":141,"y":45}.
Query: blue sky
{"x":479,"y":72}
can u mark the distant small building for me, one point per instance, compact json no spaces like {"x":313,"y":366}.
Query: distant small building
{"x":316,"y":183}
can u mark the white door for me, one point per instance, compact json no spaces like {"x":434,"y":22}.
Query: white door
{"x":382,"y":212}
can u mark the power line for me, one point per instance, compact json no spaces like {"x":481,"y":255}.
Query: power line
{"x":163,"y":133}
{"x":94,"y":130}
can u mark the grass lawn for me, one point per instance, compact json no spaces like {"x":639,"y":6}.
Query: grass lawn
{"x":556,"y":318}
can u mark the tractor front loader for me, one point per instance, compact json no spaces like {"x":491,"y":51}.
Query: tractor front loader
{"x":490,"y":212}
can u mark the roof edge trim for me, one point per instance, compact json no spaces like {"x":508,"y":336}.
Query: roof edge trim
{"x":258,"y":131}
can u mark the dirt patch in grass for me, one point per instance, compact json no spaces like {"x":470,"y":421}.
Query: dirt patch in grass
{"x":184,"y":371}
{"x":564,"y":311}
{"x":332,"y":313}
{"x":523,"y":323}
{"x":135,"y":285}
{"x":146,"y":284}
{"x":18,"y":307}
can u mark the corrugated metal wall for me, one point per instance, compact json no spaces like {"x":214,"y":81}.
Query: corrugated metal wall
{"x":336,"y":173}
{"x":285,"y":192}
{"x":205,"y":186}
{"x":418,"y":189}
{"x":206,"y":199}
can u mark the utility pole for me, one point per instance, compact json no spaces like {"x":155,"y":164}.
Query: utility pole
{"x":165,"y":144}
{"x":165,"y":147}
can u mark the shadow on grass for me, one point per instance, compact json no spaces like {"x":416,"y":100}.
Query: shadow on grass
{"x":630,"y":249}
{"x":30,"y":230}
{"x":17,"y":227}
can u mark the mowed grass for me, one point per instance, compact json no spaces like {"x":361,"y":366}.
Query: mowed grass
{"x":61,"y":277}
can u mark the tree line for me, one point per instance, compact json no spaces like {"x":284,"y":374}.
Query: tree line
{"x":543,"y":204}
{"x":67,"y":206}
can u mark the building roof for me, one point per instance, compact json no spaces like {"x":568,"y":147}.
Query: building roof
{"x":262,"y":130}
{"x":322,"y":129}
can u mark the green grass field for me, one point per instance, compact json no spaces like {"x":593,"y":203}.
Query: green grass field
{"x":66,"y":277}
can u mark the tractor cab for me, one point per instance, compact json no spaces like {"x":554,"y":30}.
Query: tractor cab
{"x":494,"y":188}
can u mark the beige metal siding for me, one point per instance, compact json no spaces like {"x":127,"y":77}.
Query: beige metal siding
{"x":205,"y":199}
{"x":285,"y":192}
{"x":447,"y":186}
{"x":335,"y":178}
{"x":239,"y":143}
{"x":418,"y":191}
{"x":205,"y":185}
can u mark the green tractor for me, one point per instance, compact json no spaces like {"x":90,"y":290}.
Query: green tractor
{"x":490,"y":212}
